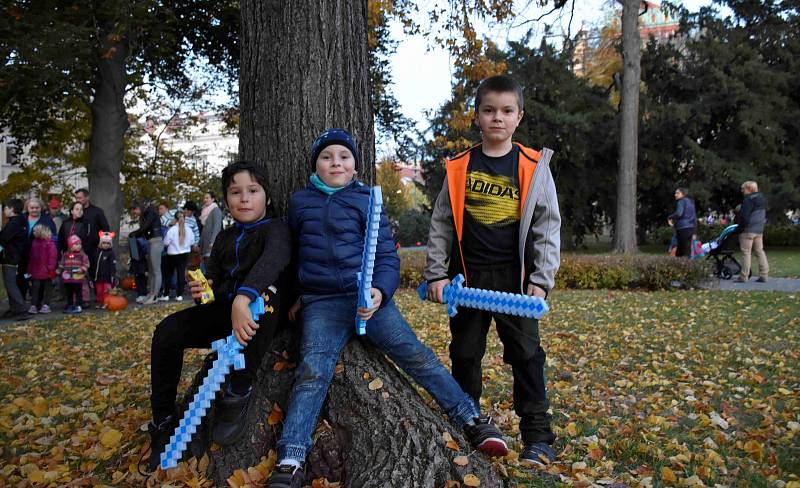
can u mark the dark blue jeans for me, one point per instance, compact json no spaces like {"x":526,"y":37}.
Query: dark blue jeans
{"x":328,"y":324}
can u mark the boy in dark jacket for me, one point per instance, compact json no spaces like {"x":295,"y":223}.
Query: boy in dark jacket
{"x":328,"y":218}
{"x":247,"y":261}
{"x":150,"y":229}
{"x":12,"y":241}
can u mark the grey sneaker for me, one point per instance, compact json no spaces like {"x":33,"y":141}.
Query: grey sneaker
{"x":537,"y":454}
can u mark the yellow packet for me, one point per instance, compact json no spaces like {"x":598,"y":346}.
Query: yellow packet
{"x":207,"y":295}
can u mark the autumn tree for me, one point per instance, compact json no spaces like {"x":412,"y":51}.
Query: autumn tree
{"x":80,"y":58}
{"x":395,"y":199}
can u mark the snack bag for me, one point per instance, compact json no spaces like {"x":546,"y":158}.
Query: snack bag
{"x":207,"y":295}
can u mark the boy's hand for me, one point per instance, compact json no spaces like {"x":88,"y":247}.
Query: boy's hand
{"x":294,"y":312}
{"x":196,"y":287}
{"x":535,"y":291}
{"x":436,"y":290}
{"x":244,"y":327}
{"x":377,"y":297}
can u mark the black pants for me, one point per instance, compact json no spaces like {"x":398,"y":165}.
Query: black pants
{"x":174,"y":263}
{"x":684,"y":242}
{"x":40,"y":293}
{"x":198,"y":327}
{"x":521,"y":350}
{"x":74,"y":294}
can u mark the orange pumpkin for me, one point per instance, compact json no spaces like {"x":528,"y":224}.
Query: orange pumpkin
{"x":115,"y":302}
{"x":128,"y":283}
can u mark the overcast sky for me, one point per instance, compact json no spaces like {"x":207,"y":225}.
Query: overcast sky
{"x":422,"y":75}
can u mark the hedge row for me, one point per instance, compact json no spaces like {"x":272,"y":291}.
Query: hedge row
{"x":774,"y":235}
{"x":598,"y":272}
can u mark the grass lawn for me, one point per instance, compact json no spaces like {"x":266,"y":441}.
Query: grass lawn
{"x":645,"y":387}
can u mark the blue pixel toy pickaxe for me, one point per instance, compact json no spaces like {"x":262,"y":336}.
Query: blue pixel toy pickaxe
{"x":456,"y":295}
{"x":364,"y":277}
{"x":228,"y":354}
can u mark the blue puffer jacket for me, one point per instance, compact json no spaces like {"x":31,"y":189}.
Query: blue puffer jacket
{"x":330,"y":234}
{"x":685,"y":216}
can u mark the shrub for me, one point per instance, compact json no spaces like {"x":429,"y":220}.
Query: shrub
{"x":597,"y":272}
{"x":774,"y":235}
{"x":412,"y":227}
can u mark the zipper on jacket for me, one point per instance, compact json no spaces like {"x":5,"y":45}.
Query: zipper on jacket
{"x":329,"y":241}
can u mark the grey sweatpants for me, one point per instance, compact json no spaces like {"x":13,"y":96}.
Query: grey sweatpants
{"x":154,"y":265}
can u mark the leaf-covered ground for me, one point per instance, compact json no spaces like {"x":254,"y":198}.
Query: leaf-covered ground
{"x":661,"y":389}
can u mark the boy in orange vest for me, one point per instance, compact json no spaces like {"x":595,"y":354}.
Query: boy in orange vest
{"x":496,"y":221}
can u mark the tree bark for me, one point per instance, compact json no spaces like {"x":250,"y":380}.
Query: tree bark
{"x":384,"y":437}
{"x":625,"y":224}
{"x":304,"y":68}
{"x":109,"y":124}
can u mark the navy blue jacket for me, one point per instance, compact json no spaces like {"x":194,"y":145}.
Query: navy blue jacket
{"x":685,"y":216}
{"x":330,"y":235}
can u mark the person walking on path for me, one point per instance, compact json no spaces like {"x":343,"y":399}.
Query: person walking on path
{"x":684,"y":220}
{"x":211,"y":223}
{"x":752,"y":218}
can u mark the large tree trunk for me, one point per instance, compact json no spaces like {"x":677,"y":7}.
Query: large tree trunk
{"x":384,"y":437}
{"x":109,"y":124}
{"x":625,"y":224}
{"x":304,"y":68}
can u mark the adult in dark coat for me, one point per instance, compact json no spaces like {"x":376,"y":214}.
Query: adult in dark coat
{"x":684,"y":219}
{"x":74,"y":225}
{"x":95,"y":220}
{"x":12,"y":240}
{"x":751,"y":219}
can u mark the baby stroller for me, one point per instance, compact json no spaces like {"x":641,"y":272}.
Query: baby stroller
{"x":721,"y":251}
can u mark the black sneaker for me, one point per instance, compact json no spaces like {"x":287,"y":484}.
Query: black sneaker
{"x":486,"y":437}
{"x":287,"y":476}
{"x":229,"y":423}
{"x":159,"y":438}
{"x":538,"y":454}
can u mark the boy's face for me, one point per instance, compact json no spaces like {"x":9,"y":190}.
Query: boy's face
{"x":498,"y":116}
{"x":336,"y":165}
{"x":247,"y":199}
{"x":162,"y":209}
{"x":75,"y":247}
{"x":8,"y":212}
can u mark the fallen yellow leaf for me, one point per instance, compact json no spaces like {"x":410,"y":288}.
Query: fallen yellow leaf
{"x":471,"y":480}
{"x":461,"y":460}
{"x":110,"y":438}
{"x":668,"y":476}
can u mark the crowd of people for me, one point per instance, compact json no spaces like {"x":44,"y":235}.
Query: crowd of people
{"x":43,"y":251}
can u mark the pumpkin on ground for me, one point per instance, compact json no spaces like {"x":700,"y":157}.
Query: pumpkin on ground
{"x":115,"y":301}
{"x":128,"y":283}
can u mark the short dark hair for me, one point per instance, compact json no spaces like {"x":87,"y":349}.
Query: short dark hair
{"x":683,"y":190}
{"x":257,"y":172}
{"x":190,"y":205}
{"x":82,"y":190}
{"x":15,"y":204}
{"x":502,"y":84}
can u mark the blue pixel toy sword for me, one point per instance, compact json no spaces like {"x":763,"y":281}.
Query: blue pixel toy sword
{"x":364,"y":277}
{"x":228,"y":354}
{"x":456,"y":295}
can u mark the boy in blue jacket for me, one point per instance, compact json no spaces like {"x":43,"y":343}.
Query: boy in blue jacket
{"x":328,"y":218}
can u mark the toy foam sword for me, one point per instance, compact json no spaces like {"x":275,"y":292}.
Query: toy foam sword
{"x":364,"y":277}
{"x":228,"y":354}
{"x":456,"y":295}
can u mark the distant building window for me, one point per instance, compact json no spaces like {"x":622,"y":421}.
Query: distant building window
{"x":11,"y":154}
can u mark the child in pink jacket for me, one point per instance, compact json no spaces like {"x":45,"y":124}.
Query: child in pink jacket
{"x":42,"y":268}
{"x":74,"y":266}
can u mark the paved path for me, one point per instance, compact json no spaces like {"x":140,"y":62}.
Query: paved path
{"x":790,"y":285}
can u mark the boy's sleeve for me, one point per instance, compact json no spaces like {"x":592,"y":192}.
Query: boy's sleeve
{"x":386,"y":271}
{"x":546,"y":233}
{"x":214,"y":265}
{"x":274,"y":258}
{"x":440,"y":237}
{"x":674,"y":216}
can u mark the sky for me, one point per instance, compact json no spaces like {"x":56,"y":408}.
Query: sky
{"x":422,"y":74}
